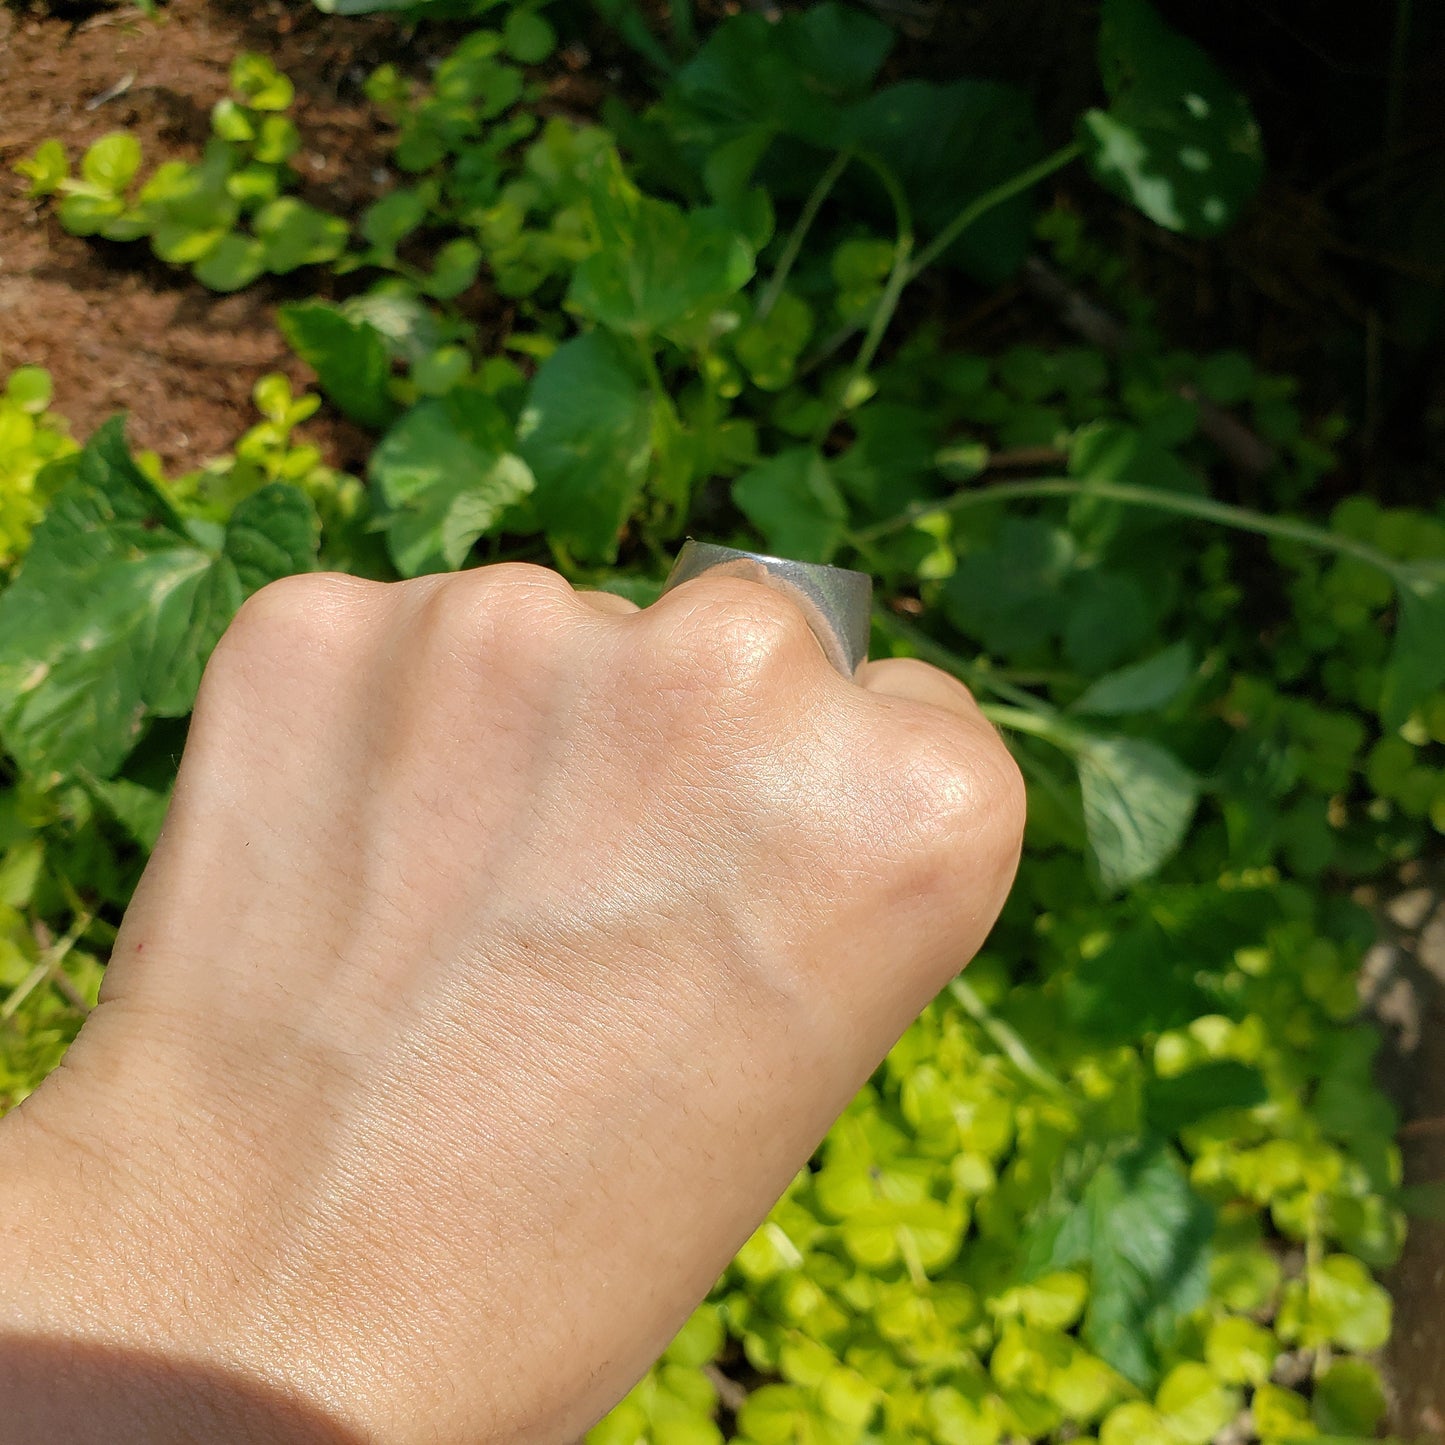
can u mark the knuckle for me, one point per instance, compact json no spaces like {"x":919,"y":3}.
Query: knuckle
{"x":506,"y":621}
{"x":306,"y":612}
{"x":490,"y":600}
{"x":959,"y":800}
{"x":736,"y":634}
{"x":283,"y":646}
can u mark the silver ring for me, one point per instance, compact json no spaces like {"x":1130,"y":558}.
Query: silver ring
{"x":837,"y":603}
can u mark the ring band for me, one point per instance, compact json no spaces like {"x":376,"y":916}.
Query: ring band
{"x":836,"y":602}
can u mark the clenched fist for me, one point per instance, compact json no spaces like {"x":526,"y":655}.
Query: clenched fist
{"x":506,"y":951}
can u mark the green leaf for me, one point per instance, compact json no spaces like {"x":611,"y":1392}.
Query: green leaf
{"x":441,"y":370}
{"x":272,"y":533}
{"x":1349,"y":1399}
{"x":257,"y":81}
{"x":447,"y":472}
{"x":793,"y":501}
{"x":232,"y":263}
{"x":1108,"y":617}
{"x":349,"y":358}
{"x":1174,"y":1103}
{"x":948,"y":145}
{"x":456,"y":267}
{"x":769,"y":348}
{"x":656,"y":264}
{"x":1417,"y":660}
{"x":1134,"y":1423}
{"x":1345,"y":1306}
{"x":892,"y":461}
{"x":1123,"y":993}
{"x":1178,"y":140}
{"x":46,"y":170}
{"x":232,"y":121}
{"x":528,"y":37}
{"x":277,"y":140}
{"x":1145,"y":1237}
{"x":253,"y":186}
{"x":409,"y":327}
{"x":117,"y":608}
{"x":111,"y":163}
{"x":1279,"y":1415}
{"x":139,"y":810}
{"x":86,"y":215}
{"x":791,"y":75}
{"x":295,"y":234}
{"x":1239,"y":1351}
{"x":387,"y":222}
{"x":29,"y":388}
{"x":1006,"y":594}
{"x":586,"y":433}
{"x":1194,"y":1406}
{"x":700,"y":1340}
{"x":1141,"y":687}
{"x":1138,"y":802}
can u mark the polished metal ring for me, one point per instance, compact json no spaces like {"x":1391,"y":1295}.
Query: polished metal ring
{"x":836,"y":602}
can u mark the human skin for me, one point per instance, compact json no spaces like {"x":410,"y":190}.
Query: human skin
{"x":506,"y":951}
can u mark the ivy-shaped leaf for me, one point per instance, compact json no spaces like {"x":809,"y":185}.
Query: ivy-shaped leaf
{"x":118,"y":606}
{"x":586,"y":433}
{"x":1178,"y":140}
{"x":446,"y":472}
{"x":656,"y":263}
{"x":348,"y":356}
{"x":1145,"y":1237}
{"x":1138,"y":802}
{"x":794,"y":502}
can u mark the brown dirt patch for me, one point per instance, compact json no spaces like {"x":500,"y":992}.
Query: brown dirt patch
{"x":118,"y":329}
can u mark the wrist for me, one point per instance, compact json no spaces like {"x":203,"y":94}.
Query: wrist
{"x":107,"y":1330}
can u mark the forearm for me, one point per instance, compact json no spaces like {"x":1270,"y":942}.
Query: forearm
{"x":103,"y":1337}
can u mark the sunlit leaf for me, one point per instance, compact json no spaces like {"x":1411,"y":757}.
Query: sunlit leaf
{"x":117,"y":608}
{"x":1138,"y":801}
{"x":586,"y":433}
{"x":446,"y":472}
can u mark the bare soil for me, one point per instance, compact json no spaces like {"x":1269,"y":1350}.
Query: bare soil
{"x":118,"y":329}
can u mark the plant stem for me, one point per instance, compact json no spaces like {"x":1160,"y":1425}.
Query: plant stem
{"x":974,"y":211}
{"x":46,"y":968}
{"x":793,"y":249}
{"x":1223,"y":514}
{"x":973,"y":674}
{"x":981,"y":205}
{"x":898,"y":278}
{"x":1006,"y":1040}
{"x":1030,"y":720}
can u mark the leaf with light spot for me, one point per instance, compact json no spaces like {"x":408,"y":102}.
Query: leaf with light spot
{"x":1178,"y":140}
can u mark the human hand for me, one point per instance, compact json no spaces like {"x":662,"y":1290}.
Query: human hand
{"x":505,"y":953}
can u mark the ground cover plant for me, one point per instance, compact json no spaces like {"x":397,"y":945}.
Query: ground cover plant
{"x":1129,"y":1178}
